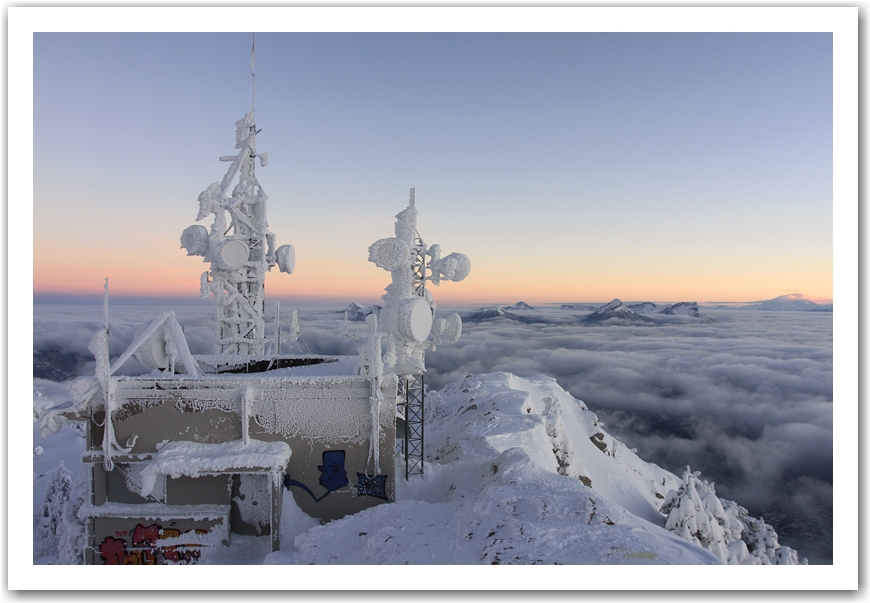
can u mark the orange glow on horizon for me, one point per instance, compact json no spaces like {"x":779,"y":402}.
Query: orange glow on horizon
{"x":164,"y":270}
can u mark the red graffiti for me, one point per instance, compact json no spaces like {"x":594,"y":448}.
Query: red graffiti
{"x":145,"y":549}
{"x":147,"y":535}
{"x":113,"y":551}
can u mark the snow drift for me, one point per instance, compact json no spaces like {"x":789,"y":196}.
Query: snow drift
{"x":518,"y":472}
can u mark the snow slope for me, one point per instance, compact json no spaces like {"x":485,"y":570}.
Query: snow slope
{"x":518,"y":471}
{"x":506,"y":482}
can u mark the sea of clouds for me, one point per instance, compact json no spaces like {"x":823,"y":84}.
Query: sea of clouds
{"x":745,"y":397}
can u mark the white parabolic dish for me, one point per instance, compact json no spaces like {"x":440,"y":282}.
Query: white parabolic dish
{"x":152,"y":353}
{"x":415,"y":319}
{"x":234,"y":254}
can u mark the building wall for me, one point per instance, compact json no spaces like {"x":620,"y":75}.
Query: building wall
{"x":326,"y":421}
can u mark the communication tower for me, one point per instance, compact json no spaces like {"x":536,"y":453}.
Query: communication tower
{"x":240,"y":251}
{"x":408,"y":318}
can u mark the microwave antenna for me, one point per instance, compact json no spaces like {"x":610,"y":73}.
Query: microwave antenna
{"x":239,"y":246}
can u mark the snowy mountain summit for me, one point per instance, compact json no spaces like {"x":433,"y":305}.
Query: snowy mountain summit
{"x":615,"y":311}
{"x":790,"y":302}
{"x":518,"y":471}
{"x":683,"y":309}
{"x":643,"y":307}
{"x":488,"y":312}
{"x":355,"y":311}
{"x":520,"y":305}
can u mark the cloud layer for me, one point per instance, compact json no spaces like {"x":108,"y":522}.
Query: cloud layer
{"x":746,"y":398}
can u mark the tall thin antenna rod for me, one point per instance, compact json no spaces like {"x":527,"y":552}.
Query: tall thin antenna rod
{"x":106,"y":303}
{"x":252,"y":71}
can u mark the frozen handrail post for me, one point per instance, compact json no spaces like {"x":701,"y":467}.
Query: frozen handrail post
{"x":408,"y":318}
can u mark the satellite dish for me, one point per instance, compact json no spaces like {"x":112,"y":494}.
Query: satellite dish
{"x":234,"y":254}
{"x":285,"y":257}
{"x":414,"y":319}
{"x":195,"y":240}
{"x":460,"y":266}
{"x":152,"y":353}
{"x":389,"y":254}
{"x":452,"y":328}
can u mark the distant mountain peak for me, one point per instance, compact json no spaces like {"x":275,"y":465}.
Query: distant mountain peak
{"x":683,"y":308}
{"x":615,"y":310}
{"x":520,"y":305}
{"x":642,"y":307}
{"x":790,"y":302}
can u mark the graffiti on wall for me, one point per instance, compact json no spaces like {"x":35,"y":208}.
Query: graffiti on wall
{"x":372,"y":486}
{"x":145,"y":547}
{"x":333,"y":475}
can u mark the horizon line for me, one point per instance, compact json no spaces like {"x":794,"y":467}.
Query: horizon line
{"x":133,"y":298}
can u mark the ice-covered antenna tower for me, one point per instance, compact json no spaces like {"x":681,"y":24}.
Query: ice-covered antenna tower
{"x":240,"y":252}
{"x":408,"y":318}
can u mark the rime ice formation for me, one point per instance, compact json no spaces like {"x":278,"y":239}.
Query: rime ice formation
{"x":241,"y":252}
{"x":193,"y":459}
{"x":722,"y":526}
{"x":157,"y":345}
{"x":407,"y":318}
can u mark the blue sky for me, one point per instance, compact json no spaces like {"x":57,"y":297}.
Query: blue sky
{"x":572,"y":166}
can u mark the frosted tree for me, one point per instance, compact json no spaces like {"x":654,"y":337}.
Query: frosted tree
{"x":71,"y":532}
{"x":57,"y":493}
{"x":721,"y":526}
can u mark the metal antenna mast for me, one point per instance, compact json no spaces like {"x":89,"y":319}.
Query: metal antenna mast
{"x":239,"y":252}
{"x":252,"y":71}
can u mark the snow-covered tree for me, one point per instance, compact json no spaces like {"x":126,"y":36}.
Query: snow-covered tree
{"x":57,"y":492}
{"x":71,"y":534}
{"x":721,"y":526}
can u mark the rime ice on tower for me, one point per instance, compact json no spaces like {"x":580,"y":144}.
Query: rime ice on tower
{"x":408,"y":318}
{"x":240,"y":252}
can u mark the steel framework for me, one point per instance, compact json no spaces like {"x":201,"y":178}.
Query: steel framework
{"x":413,"y":398}
{"x":412,"y":395}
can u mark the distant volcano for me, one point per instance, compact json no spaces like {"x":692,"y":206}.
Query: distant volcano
{"x":794,"y":302}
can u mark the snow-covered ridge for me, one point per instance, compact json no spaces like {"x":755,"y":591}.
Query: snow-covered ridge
{"x":355,"y":311}
{"x":615,"y":310}
{"x":519,"y":471}
{"x":683,"y":309}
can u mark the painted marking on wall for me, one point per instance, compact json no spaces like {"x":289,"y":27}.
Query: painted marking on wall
{"x":372,"y":486}
{"x":333,"y":475}
{"x":145,"y":549}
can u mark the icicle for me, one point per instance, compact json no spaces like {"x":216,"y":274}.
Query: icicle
{"x":294,"y":325}
{"x":247,"y":404}
{"x":376,"y":370}
{"x":278,"y":322}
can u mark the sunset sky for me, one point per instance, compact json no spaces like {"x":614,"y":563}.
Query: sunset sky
{"x":567,"y":166}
